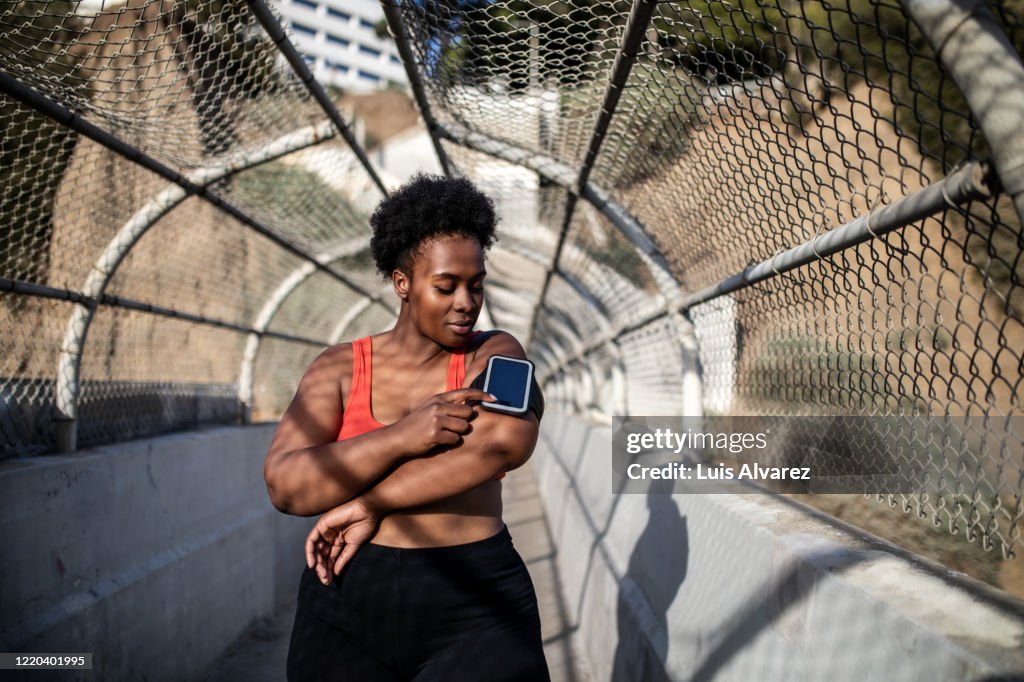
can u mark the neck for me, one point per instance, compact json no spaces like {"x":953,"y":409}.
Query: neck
{"x":404,"y":338}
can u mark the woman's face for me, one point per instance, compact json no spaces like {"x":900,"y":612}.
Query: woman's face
{"x":446,"y":291}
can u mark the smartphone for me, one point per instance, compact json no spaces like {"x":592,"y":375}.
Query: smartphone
{"x":508,"y":380}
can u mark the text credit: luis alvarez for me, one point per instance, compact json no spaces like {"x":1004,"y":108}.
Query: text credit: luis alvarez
{"x":668,"y":440}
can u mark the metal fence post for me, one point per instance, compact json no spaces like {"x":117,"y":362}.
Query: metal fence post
{"x":971,"y":45}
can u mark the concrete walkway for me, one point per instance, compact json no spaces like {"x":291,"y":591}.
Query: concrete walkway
{"x":259,"y":655}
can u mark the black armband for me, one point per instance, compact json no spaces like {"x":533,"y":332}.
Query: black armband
{"x":535,"y":403}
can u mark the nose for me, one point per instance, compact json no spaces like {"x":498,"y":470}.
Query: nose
{"x":463,"y":300}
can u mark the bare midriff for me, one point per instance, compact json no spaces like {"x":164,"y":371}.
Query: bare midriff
{"x":468,"y":517}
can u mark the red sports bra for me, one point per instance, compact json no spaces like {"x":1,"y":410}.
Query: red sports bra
{"x":358,"y":417}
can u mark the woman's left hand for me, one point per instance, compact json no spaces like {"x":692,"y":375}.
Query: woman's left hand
{"x":337,"y":536}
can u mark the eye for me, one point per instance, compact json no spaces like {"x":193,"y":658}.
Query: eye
{"x":446,"y":292}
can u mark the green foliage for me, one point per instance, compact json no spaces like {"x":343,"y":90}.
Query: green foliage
{"x":479,"y":41}
{"x":722,"y":42}
{"x":818,"y":47}
{"x":822,"y":47}
{"x":276,"y":179}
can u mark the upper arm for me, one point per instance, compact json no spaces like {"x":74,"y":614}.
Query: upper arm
{"x":499,"y":343}
{"x":511,"y":436}
{"x":315,"y":413}
{"x":503,"y":343}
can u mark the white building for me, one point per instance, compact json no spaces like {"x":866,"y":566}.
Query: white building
{"x":337,"y":37}
{"x":339,"y":40}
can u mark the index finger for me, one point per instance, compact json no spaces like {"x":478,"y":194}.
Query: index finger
{"x":346,"y":556}
{"x":311,"y":539}
{"x":463,"y":394}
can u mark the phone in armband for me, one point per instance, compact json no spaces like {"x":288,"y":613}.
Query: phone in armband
{"x":508,"y":380}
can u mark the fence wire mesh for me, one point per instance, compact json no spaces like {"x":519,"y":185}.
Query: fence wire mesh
{"x":200,"y":88}
{"x":741,"y":129}
{"x":745,"y":129}
{"x":531,"y":217}
{"x":28,"y":364}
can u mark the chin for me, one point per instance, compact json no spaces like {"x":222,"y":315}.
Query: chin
{"x":453,"y":338}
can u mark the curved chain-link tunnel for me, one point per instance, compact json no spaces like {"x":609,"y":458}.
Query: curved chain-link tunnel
{"x":784,"y":208}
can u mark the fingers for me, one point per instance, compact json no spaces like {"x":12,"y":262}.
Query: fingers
{"x":330,"y":563}
{"x":337,"y":534}
{"x":322,"y":571}
{"x":321,"y":532}
{"x":311,"y":540}
{"x":463,"y":394}
{"x":448,"y":438}
{"x":460,"y":410}
{"x":454,"y":424}
{"x":346,"y":555}
{"x":315,"y":546}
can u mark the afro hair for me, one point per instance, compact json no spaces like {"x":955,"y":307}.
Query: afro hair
{"x":428,"y":207}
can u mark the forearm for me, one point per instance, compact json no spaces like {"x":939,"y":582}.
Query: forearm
{"x":477,"y":460}
{"x":312,"y":480}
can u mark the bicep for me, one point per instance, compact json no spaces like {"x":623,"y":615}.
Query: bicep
{"x":510,"y":437}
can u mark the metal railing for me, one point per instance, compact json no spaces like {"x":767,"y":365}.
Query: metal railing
{"x":821,"y":201}
{"x":823,"y":193}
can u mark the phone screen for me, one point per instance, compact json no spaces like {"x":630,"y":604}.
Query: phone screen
{"x":507,"y":382}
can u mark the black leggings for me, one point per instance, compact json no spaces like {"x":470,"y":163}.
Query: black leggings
{"x":463,"y":613}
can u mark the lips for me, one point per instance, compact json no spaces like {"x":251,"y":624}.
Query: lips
{"x":461,"y":326}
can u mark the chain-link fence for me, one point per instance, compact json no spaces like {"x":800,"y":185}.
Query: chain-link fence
{"x":177,"y":252}
{"x":816,"y":205}
{"x":762,"y":156}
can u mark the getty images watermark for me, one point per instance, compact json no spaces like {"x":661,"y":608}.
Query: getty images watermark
{"x":887,"y":454}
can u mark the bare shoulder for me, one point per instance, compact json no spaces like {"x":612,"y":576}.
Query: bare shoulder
{"x":326,"y":375}
{"x":497,"y":342}
{"x":314,"y":415}
{"x":333,"y":357}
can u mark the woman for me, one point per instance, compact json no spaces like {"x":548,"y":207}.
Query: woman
{"x":411,"y":573}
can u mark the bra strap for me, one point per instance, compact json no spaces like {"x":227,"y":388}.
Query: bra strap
{"x":456,"y":369}
{"x":360,"y":369}
{"x":457,"y":364}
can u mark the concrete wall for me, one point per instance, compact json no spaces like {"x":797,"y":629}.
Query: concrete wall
{"x":153,"y":554}
{"x":750,"y":587}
